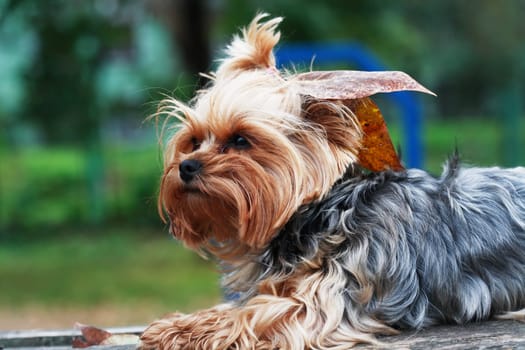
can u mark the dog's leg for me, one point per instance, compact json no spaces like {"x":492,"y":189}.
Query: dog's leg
{"x":181,"y":331}
{"x":266,"y":322}
{"x":309,"y":315}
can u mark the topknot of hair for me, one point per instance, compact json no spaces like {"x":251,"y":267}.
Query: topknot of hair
{"x":254,"y":49}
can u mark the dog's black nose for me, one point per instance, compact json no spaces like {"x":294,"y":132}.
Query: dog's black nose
{"x":189,"y":168}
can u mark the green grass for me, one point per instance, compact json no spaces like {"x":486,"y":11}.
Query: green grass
{"x":110,"y":267}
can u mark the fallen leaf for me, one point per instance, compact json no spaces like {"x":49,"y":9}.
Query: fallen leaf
{"x":93,"y":336}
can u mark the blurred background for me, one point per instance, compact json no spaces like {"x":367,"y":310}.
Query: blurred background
{"x":80,"y":238}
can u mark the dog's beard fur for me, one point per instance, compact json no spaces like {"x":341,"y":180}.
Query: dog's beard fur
{"x":318,"y":258}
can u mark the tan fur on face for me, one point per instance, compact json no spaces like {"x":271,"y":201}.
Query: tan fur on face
{"x":298,"y":149}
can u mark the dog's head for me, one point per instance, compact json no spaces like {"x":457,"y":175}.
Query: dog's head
{"x":252,"y":148}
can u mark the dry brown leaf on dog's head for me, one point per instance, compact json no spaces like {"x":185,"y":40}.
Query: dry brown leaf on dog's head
{"x":354,"y":88}
{"x":377,"y":152}
{"x":350,"y":84}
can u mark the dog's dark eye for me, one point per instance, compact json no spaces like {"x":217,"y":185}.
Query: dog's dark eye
{"x":195,"y":144}
{"x":239,"y":142}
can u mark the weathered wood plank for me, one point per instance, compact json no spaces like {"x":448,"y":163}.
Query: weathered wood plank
{"x":53,"y":339}
{"x":490,"y":335}
{"x":483,"y":335}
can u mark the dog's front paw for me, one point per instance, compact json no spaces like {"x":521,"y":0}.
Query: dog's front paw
{"x":166,"y":334}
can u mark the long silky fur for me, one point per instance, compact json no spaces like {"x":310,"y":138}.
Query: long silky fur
{"x":412,"y":250}
{"x":321,"y":259}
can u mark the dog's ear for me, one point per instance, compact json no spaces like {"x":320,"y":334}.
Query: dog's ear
{"x":339,"y":125}
{"x":253,"y":49}
{"x":339,"y":102}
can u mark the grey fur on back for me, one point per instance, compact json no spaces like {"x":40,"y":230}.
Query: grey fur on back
{"x":432,"y":250}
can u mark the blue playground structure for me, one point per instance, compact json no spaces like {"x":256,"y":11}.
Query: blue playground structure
{"x":323,"y":54}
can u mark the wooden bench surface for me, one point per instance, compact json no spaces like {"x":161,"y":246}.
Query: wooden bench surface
{"x":485,"y":335}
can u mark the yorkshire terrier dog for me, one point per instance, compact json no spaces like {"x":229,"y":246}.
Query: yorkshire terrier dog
{"x":323,"y":254}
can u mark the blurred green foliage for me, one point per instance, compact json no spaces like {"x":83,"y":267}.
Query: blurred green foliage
{"x":78,"y":78}
{"x":465,"y":51}
{"x":46,"y":188}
